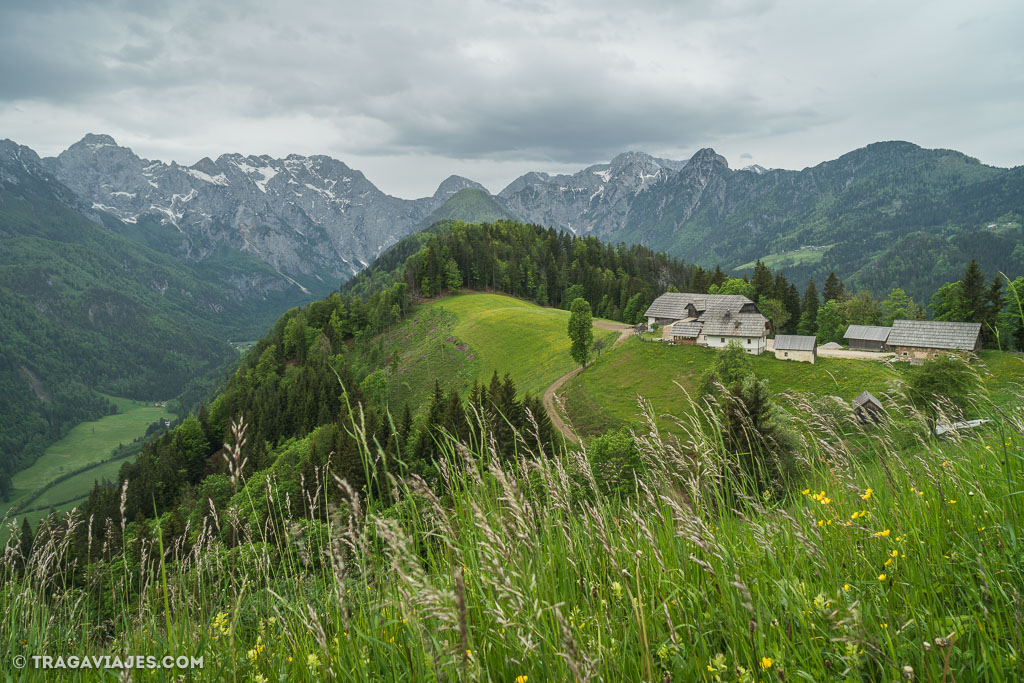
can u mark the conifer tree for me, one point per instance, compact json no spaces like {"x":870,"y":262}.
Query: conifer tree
{"x":834,"y":289}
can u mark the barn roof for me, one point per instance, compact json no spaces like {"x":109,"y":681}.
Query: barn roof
{"x":687,"y":329}
{"x":795,"y":342}
{"x":728,"y":324}
{"x":868,"y":333}
{"x":865,"y":398}
{"x":672,"y":305}
{"x":934,"y":334}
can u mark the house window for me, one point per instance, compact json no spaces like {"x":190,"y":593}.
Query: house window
{"x":748,"y":340}
{"x":786,"y":354}
{"x":723,"y":340}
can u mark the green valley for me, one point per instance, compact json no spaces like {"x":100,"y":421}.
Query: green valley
{"x":63,"y":475}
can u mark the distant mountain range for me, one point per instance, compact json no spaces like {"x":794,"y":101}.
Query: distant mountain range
{"x":889,"y":214}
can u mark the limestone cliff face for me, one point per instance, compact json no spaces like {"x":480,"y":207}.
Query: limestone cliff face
{"x":307,"y":217}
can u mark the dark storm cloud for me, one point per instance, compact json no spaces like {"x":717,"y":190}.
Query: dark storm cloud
{"x":495,"y":85}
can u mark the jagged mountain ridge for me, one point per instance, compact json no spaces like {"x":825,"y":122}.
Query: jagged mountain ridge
{"x":314,"y":219}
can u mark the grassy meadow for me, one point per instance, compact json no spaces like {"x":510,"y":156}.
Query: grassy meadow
{"x":461,"y":338}
{"x":883,"y":564}
{"x":605,"y":395}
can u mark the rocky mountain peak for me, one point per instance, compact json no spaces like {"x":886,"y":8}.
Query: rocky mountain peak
{"x":452,"y":184}
{"x":708,"y":156}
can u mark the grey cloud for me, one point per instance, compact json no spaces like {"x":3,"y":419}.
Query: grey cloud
{"x":538,"y":82}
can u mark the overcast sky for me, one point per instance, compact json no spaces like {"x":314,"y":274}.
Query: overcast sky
{"x":411,"y":92}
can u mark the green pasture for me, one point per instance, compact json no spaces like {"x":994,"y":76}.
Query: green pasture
{"x":508,"y":335}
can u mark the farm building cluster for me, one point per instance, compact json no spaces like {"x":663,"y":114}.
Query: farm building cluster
{"x":916,"y":340}
{"x":712,"y":320}
{"x":717,"y":320}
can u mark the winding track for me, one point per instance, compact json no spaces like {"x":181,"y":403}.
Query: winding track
{"x":625,"y":331}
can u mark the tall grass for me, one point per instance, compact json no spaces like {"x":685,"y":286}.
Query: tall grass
{"x":897,"y":556}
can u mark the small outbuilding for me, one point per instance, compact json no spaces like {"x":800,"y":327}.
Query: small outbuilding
{"x":868,"y":337}
{"x":796,"y":347}
{"x":685,"y":332}
{"x":917,"y":340}
{"x":867,"y":408}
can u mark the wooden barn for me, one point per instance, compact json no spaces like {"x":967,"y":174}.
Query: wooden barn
{"x":917,"y":340}
{"x":796,"y":347}
{"x":868,"y":337}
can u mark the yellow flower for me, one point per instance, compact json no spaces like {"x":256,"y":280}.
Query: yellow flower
{"x":951,"y":501}
{"x":766,"y":662}
{"x":888,"y":562}
{"x":882,"y":577}
{"x":846,"y":586}
{"x":867,"y":495}
{"x":821,"y":522}
{"x":894,"y":553}
{"x":469,"y":653}
{"x":882,"y":534}
{"x":312,"y":661}
{"x":522,"y":679}
{"x":805,"y":491}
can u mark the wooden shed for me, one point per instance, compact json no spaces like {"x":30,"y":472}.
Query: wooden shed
{"x":868,"y":337}
{"x":796,"y":347}
{"x":685,"y":332}
{"x":916,"y":340}
{"x":867,"y":408}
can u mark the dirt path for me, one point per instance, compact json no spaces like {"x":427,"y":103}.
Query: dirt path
{"x":625,"y":332}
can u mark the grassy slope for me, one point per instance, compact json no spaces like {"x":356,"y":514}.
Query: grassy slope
{"x":605,"y":395}
{"x":88,"y":443}
{"x":509,"y":335}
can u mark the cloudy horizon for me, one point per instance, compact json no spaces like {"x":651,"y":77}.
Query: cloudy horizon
{"x":411,"y":94}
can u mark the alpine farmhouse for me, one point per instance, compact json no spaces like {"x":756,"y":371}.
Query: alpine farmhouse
{"x":713,"y":320}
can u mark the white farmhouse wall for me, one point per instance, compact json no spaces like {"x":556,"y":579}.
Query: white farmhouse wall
{"x":752,"y":345}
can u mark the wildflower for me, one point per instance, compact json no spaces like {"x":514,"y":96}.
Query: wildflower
{"x":260,"y":678}
{"x":894,"y":553}
{"x":805,"y":491}
{"x":888,"y":562}
{"x":882,"y":577}
{"x":867,"y":495}
{"x":882,"y":534}
{"x":616,"y":589}
{"x":846,"y":586}
{"x":469,"y":653}
{"x":522,"y":679}
{"x":312,"y":662}
{"x":951,"y":501}
{"x":766,"y":662}
{"x":821,"y":522}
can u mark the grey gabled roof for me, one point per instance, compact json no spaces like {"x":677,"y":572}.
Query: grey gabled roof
{"x":728,"y":324}
{"x":934,"y":334}
{"x":864,"y":398}
{"x":687,"y":329}
{"x":672,"y":305}
{"x":867,"y":333}
{"x":795,"y":342}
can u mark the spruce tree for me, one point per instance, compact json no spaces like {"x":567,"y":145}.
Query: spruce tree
{"x":834,"y":289}
{"x":809,"y":315}
{"x":972,"y":293}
